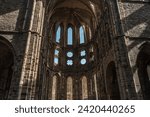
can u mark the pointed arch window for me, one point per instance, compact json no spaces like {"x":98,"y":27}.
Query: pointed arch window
{"x":58,"y":34}
{"x":70,"y":36}
{"x":84,"y":88}
{"x":69,"y":88}
{"x":54,"y":88}
{"x":82,"y":35}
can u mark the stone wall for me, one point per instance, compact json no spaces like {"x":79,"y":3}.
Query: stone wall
{"x":135,"y":19}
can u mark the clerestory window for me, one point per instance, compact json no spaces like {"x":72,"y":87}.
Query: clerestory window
{"x":82,"y":35}
{"x":70,"y":36}
{"x":58,"y":34}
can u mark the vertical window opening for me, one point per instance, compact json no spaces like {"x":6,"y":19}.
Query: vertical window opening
{"x":82,"y":37}
{"x":58,"y":34}
{"x":56,"y":57}
{"x":69,"y":89}
{"x":70,"y":36}
{"x":84,"y":88}
{"x":54,"y":88}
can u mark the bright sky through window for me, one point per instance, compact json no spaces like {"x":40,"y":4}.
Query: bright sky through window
{"x":58,"y":34}
{"x":83,"y":53}
{"x":82,"y":39}
{"x":56,"y":60}
{"x":83,"y":61}
{"x":70,"y":54}
{"x":70,"y":36}
{"x":56,"y":52}
{"x":69,"y":62}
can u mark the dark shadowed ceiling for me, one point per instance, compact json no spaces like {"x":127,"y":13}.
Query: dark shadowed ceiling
{"x":74,"y":11}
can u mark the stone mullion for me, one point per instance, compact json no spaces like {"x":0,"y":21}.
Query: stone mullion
{"x":98,"y":84}
{"x":92,"y":88}
{"x":61,"y":50}
{"x":50,"y":83}
{"x":63,"y":88}
{"x":77,"y":36}
{"x":77,"y":88}
{"x":65,"y":34}
{"x":76,"y":51}
{"x":87,"y":34}
{"x":87,"y":55}
{"x":88,"y":88}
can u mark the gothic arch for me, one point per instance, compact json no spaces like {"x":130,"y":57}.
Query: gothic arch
{"x":143,"y":63}
{"x":70,"y":34}
{"x":6,"y":64}
{"x":84,"y":88}
{"x":112,"y":86}
{"x":55,"y":85}
{"x":69,"y":88}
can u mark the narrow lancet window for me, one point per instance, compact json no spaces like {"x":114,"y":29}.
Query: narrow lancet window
{"x":54,"y":86}
{"x":69,"y":88}
{"x":84,"y":88}
{"x":70,"y":36}
{"x":82,"y":37}
{"x":58,"y":34}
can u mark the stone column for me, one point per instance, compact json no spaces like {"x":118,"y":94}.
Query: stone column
{"x":32,"y":53}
